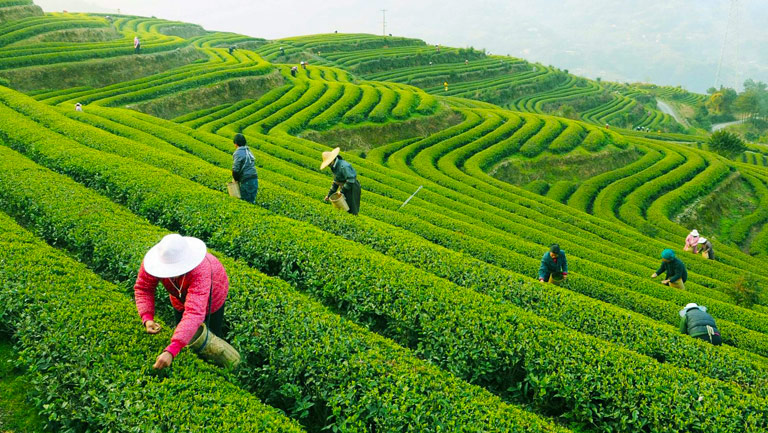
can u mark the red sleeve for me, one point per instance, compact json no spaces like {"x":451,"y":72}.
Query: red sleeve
{"x":144,"y":292}
{"x":195,"y":308}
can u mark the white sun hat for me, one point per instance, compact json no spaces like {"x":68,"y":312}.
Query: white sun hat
{"x":174,"y":255}
{"x":690,"y":306}
{"x":328,"y":157}
{"x":702,"y":240}
{"x":694,"y":232}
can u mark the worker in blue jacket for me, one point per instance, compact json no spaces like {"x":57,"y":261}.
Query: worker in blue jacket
{"x":554,"y":266}
{"x":244,"y":170}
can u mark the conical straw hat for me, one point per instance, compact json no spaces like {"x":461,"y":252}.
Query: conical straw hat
{"x":328,"y":157}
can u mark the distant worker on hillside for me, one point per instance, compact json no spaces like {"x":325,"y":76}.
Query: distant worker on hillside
{"x":554,"y":266}
{"x":244,"y":170}
{"x":136,"y":44}
{"x":344,"y":178}
{"x":466,"y":61}
{"x":677,"y":275}
{"x":78,"y":107}
{"x":303,"y":64}
{"x":445,"y":84}
{"x":437,"y":48}
{"x":282,"y":51}
{"x":607,"y":126}
{"x":696,"y":322}
{"x":232,"y":49}
{"x":198,"y":287}
{"x":294,"y":71}
{"x":705,"y":248}
{"x":692,"y":241}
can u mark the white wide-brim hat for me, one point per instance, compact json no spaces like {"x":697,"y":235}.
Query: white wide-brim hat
{"x":328,"y":157}
{"x":694,"y":232}
{"x":702,"y":240}
{"x":689,"y":306}
{"x":174,"y":255}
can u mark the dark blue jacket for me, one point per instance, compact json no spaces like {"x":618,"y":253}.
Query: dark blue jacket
{"x":244,"y":165}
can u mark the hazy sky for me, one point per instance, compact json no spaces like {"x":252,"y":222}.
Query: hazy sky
{"x":673,"y":42}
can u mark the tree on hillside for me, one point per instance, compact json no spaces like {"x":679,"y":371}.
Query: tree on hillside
{"x":748,"y":103}
{"x":726,"y":143}
{"x":722,"y":100}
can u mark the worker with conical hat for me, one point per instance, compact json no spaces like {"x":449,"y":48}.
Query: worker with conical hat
{"x":198,"y":286}
{"x":691,"y":241}
{"x":677,"y":275}
{"x":705,"y":248}
{"x":344,"y":178}
{"x":696,"y":322}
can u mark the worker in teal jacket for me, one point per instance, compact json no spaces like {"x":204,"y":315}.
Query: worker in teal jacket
{"x":554,"y":266}
{"x":344,"y":177}
{"x":696,"y":322}
{"x":677,"y":275}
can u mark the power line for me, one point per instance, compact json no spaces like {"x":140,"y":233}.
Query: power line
{"x":731,"y":43}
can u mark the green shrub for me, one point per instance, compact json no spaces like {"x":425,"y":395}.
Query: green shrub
{"x":726,"y":143}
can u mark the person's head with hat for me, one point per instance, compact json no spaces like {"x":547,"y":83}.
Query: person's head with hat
{"x":174,"y":255}
{"x":702,"y":241}
{"x":329,"y":158}
{"x":196,"y":282}
{"x":667,"y":255}
{"x":691,"y":306}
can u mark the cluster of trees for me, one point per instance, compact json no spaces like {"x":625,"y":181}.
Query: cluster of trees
{"x":752,"y":103}
{"x":726,"y":104}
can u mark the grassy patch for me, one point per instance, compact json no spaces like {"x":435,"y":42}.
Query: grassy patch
{"x":99,"y":72}
{"x":17,"y":415}
{"x":200,"y":98}
{"x":577,"y":166}
{"x":714,"y":214}
{"x":367,"y":136}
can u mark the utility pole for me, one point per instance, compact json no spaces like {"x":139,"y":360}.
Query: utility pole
{"x":383,"y":22}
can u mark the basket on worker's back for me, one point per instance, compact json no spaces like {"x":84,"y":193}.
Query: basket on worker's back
{"x":234,"y":189}
{"x":339,"y":202}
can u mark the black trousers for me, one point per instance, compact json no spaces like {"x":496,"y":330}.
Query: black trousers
{"x":248,"y":190}
{"x":214,"y":320}
{"x":716,"y":340}
{"x":351,"y":191}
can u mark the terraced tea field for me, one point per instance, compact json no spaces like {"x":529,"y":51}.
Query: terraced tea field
{"x":427,"y":317}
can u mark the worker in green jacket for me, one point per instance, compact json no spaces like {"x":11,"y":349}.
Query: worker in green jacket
{"x":554,"y":266}
{"x":677,"y":275}
{"x":696,"y":322}
{"x":344,"y":177}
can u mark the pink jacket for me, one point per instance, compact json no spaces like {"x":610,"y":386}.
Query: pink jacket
{"x":692,"y":242}
{"x":195,"y":288}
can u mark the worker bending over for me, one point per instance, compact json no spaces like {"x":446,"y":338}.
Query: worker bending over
{"x":696,"y":322}
{"x":344,"y":177}
{"x":677,"y":275}
{"x":554,"y":266}
{"x":197,"y":284}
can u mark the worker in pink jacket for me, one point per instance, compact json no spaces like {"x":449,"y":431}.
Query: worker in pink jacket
{"x":198,"y":288}
{"x":692,"y":241}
